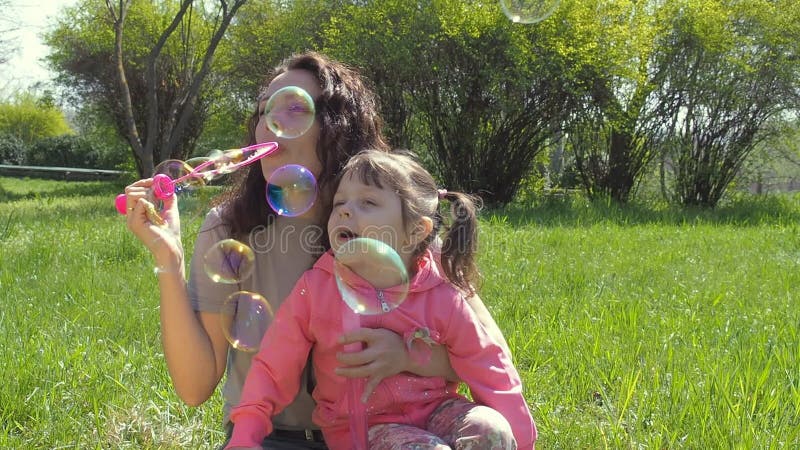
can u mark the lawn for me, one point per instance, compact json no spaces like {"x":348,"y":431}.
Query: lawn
{"x":634,"y":327}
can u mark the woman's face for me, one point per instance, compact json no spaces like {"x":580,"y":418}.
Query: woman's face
{"x":300,"y":150}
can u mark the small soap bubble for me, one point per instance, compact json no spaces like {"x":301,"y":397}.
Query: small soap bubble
{"x":245,"y":317}
{"x":528,"y":11}
{"x":370,"y":275}
{"x":289,"y":112}
{"x":229,"y":261}
{"x":176,"y":169}
{"x":291,"y":190}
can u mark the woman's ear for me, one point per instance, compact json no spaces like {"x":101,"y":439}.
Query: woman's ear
{"x":421,"y":230}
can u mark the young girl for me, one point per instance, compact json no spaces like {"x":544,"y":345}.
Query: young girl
{"x":390,"y":197}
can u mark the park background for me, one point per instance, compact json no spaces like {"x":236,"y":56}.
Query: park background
{"x":637,"y":248}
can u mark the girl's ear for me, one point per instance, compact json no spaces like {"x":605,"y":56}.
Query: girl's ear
{"x":421,"y":230}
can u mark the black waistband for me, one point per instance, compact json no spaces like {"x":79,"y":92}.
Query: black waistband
{"x":298,"y":435}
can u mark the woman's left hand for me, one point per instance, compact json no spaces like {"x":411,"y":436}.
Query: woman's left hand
{"x":384,"y":355}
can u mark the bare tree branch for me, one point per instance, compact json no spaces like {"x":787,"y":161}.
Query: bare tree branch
{"x":144,"y":158}
{"x":173,"y":124}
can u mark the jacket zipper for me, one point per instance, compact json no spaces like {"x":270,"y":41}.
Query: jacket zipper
{"x":384,"y":305}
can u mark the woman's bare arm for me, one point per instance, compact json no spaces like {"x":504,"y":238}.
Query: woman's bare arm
{"x":194,"y":347}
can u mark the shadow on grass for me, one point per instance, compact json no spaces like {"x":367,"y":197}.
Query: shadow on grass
{"x":575,"y":210}
{"x":12,"y":189}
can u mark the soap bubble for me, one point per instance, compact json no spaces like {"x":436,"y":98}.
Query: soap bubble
{"x":245,"y":317}
{"x":291,"y":190}
{"x":528,"y":11}
{"x":176,"y":169}
{"x":289,"y":112}
{"x":229,"y":261}
{"x":370,"y":275}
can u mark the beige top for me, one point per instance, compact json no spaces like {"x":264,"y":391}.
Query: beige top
{"x":283,"y":251}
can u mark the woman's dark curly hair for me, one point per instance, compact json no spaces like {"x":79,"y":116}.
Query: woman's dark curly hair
{"x":347,"y":111}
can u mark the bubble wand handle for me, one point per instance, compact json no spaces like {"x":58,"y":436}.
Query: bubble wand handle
{"x":355,"y":387}
{"x":164,"y":186}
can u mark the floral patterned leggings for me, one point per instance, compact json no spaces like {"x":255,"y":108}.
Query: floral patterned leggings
{"x":456,"y":424}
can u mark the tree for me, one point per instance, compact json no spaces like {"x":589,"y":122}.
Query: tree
{"x":775,"y":163}
{"x":266,"y":32}
{"x":147,"y":65}
{"x":7,"y":25}
{"x":727,"y":68}
{"x":480,"y":98}
{"x":98,"y":129}
{"x":612,"y":132}
{"x":459,"y":83}
{"x":391,"y":59}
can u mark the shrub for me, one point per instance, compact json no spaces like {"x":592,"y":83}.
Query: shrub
{"x":12,"y":150}
{"x":110,"y":156}
{"x":63,"y":151}
{"x":30,"y":118}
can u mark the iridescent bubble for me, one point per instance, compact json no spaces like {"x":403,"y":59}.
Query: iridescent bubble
{"x":220,"y":163}
{"x":245,"y":317}
{"x":370,"y":276}
{"x":528,"y":11}
{"x":291,"y":190}
{"x":229,"y":160}
{"x":229,"y":261}
{"x":213,"y":154}
{"x":217,"y":164}
{"x":200,"y":168}
{"x":176,"y":169}
{"x":289,"y":112}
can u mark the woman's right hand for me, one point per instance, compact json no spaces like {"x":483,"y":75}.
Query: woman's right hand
{"x":163,"y":240}
{"x":384,"y":354}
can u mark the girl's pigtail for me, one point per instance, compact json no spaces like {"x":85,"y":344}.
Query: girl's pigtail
{"x":460,"y":240}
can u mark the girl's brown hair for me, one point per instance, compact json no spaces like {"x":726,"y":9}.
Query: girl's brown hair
{"x":347,"y":111}
{"x":419,"y":197}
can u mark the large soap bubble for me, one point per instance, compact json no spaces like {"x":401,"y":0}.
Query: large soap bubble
{"x":370,"y":276}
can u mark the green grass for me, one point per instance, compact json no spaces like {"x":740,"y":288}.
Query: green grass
{"x":633,"y":327}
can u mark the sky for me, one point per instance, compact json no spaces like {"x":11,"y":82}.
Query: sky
{"x":30,"y":18}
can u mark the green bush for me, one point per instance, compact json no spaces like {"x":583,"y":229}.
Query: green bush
{"x":31,"y":118}
{"x":113,"y":157}
{"x":12,"y":150}
{"x":63,"y":151}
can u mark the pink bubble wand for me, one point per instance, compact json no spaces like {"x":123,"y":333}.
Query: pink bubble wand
{"x":164,"y":186}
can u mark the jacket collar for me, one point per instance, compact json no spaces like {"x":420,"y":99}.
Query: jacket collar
{"x":427,"y":275}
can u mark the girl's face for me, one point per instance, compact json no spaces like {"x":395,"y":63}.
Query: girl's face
{"x":300,"y":150}
{"x":361,"y":210}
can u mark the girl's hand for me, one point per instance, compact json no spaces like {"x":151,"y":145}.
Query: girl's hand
{"x":384,"y":355}
{"x":159,"y":233}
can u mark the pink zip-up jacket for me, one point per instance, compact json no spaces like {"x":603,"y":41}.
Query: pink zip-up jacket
{"x":310,"y":320}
